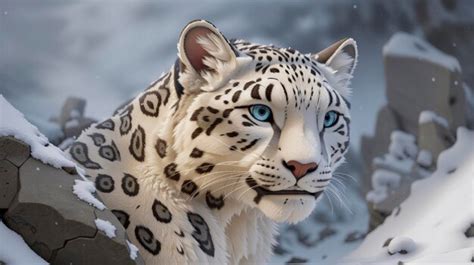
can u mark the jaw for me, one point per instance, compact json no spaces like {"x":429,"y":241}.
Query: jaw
{"x":291,"y":208}
{"x":282,"y":206}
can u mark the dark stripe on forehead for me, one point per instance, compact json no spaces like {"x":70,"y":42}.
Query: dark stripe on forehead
{"x":284,"y":89}
{"x":330,"y":96}
{"x":338,"y":99}
{"x":286,"y":93}
{"x":236,"y":96}
{"x":248,"y":84}
{"x":255,"y":94}
{"x":268,"y":92}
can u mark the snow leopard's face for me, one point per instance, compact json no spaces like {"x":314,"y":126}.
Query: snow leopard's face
{"x":270,"y":127}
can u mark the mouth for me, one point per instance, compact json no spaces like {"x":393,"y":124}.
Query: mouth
{"x":263,"y":192}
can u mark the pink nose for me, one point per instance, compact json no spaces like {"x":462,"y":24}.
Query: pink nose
{"x":299,"y":169}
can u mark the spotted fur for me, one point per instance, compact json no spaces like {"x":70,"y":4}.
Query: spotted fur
{"x":193,"y":176}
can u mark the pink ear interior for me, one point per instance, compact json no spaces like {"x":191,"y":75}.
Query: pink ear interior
{"x":193,"y":50}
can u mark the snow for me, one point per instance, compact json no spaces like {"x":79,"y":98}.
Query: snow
{"x":133,"y":250}
{"x":377,"y":195}
{"x":401,"y":155}
{"x":428,"y":116}
{"x":72,"y":123}
{"x":425,"y":158}
{"x":83,"y":189}
{"x":401,"y":244}
{"x":385,"y":178}
{"x":14,"y":250}
{"x":405,"y":45}
{"x":403,"y":144}
{"x":382,"y":181}
{"x":105,"y":226}
{"x":13,"y":123}
{"x":435,"y":216}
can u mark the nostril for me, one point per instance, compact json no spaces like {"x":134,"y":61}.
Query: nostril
{"x":312,"y":167}
{"x":289,"y":167}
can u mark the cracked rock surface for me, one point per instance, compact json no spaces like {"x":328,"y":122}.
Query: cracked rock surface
{"x":38,"y":203}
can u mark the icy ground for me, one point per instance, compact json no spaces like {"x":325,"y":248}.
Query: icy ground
{"x":15,"y":251}
{"x":436,"y":222}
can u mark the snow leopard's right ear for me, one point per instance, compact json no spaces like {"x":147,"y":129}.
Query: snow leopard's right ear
{"x":207,"y":58}
{"x":341,"y":58}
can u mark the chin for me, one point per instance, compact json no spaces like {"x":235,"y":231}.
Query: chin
{"x":295,"y":209}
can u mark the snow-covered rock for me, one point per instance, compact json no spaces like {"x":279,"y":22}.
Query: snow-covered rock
{"x":395,"y":171}
{"x":106,"y":227}
{"x":387,"y":122}
{"x":40,"y":202}
{"x":419,"y":77}
{"x":427,"y":116}
{"x":432,"y":224}
{"x":402,"y":245}
{"x":424,"y":158}
{"x":434,"y":136}
{"x":85,"y":190}
{"x":14,"y":124}
{"x":408,"y":46}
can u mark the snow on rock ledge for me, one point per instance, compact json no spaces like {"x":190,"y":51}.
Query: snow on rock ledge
{"x":434,"y":216}
{"x":406,"y":45}
{"x":13,"y":123}
{"x":427,"y":116}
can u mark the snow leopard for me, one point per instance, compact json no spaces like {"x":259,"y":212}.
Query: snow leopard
{"x":235,"y":138}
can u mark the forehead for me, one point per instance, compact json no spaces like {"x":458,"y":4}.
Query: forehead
{"x":269,"y":54}
{"x":294,"y":74}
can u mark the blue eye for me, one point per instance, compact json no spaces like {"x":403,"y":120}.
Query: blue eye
{"x":261,"y":112}
{"x":331,"y":119}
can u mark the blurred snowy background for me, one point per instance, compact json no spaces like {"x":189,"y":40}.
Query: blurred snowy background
{"x":108,"y":51}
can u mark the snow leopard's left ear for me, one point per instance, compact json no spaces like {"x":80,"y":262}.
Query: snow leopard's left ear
{"x":341,"y":58}
{"x":208,"y":59}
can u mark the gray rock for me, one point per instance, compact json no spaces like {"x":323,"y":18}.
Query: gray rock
{"x":52,"y":220}
{"x":434,"y":138}
{"x":415,"y":84}
{"x":78,"y":126}
{"x":72,"y":109}
{"x":8,"y":183}
{"x":13,"y":150}
{"x":395,"y":196}
{"x":387,"y":121}
{"x":71,"y":119}
{"x":46,"y":206}
{"x":469,"y":233}
{"x":97,"y":250}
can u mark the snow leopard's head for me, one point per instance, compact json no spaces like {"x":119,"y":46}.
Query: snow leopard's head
{"x":261,"y":125}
